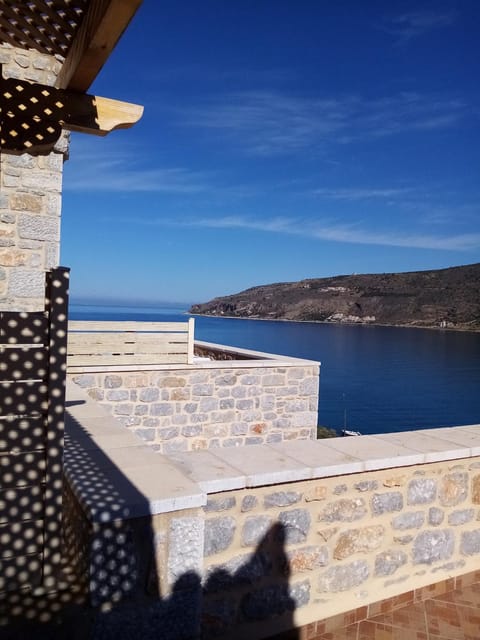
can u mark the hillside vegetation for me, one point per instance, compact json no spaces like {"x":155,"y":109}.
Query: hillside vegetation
{"x":439,"y":298}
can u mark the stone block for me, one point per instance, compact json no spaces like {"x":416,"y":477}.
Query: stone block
{"x":161,"y":409}
{"x":361,"y":540}
{"x":307,"y":558}
{"x":112,"y":382}
{"x":344,"y":510}
{"x":433,"y":546}
{"x":26,"y":202}
{"x":26,"y":283}
{"x":387,"y":502}
{"x":219,"y":534}
{"x":470,"y":543}
{"x":168,"y":433}
{"x":409,"y":520}
{"x":309,"y":387}
{"x":366,"y":485}
{"x":249,"y":502}
{"x":232,"y":442}
{"x":85,"y":380}
{"x":255,"y":528}
{"x":117,"y":395}
{"x":453,"y":489}
{"x":344,"y":578}
{"x":223,"y":503}
{"x":239,"y":392}
{"x":281,"y":499}
{"x":239,"y":429}
{"x":180,"y":394}
{"x":14,"y":258}
{"x":388,"y":562}
{"x":186,"y":541}
{"x":191,"y":430}
{"x":476,"y":489}
{"x":421,"y":491}
{"x":123,"y":409}
{"x":339,"y":489}
{"x":241,"y":570}
{"x":36,"y":227}
{"x":172,"y":381}
{"x":199,"y":390}
{"x":243,"y":405}
{"x":227,"y":403}
{"x":273,"y":380}
{"x":149,"y":394}
{"x":461,"y":517}
{"x":296,"y":525}
{"x":228,"y":379}
{"x":435,"y":516}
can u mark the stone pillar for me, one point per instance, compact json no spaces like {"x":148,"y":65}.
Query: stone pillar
{"x":30,"y":198}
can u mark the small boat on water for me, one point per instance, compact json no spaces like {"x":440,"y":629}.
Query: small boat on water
{"x":345,"y":431}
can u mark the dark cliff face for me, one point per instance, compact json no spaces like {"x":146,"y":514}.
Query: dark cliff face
{"x":440,"y":298}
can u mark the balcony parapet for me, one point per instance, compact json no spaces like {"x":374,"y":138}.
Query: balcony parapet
{"x":322,"y":527}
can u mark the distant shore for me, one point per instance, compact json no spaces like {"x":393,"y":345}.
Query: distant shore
{"x":349,"y":324}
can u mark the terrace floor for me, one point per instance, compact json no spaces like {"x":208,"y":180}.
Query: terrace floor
{"x":453,"y":615}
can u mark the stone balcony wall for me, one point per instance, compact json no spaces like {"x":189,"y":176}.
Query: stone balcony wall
{"x":217,"y":404}
{"x":254,"y":541}
{"x":30,"y":199}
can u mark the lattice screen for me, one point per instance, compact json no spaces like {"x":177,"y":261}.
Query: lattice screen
{"x":48,"y":26}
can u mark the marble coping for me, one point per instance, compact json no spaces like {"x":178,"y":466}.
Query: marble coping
{"x":116,"y":476}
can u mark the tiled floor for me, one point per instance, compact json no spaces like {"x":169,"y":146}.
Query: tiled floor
{"x":455,"y":615}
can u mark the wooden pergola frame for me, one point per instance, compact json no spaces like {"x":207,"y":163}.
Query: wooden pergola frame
{"x":84,"y":33}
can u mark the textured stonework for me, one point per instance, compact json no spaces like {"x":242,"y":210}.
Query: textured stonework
{"x":30,"y":200}
{"x":190,"y":409}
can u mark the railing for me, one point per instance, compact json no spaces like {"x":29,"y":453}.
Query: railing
{"x":128,"y":344}
{"x":32,"y":399}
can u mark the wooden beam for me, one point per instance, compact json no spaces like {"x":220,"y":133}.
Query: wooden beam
{"x":32,"y":115}
{"x":101,"y":28}
{"x":99,"y":116}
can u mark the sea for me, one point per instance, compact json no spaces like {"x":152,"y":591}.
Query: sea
{"x":373,"y":379}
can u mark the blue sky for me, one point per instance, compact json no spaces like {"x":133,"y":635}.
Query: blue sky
{"x":281,"y":140}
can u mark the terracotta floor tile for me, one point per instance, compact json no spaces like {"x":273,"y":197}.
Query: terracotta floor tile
{"x":467,"y":596}
{"x":374,"y":631}
{"x":348,"y":633}
{"x":444,"y":619}
{"x":409,"y":617}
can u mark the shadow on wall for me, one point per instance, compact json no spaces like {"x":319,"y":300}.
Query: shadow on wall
{"x":110,"y":588}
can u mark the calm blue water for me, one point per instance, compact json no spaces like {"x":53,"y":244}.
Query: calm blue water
{"x":387,"y":379}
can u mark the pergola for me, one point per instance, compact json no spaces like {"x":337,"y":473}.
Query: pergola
{"x":82,"y":33}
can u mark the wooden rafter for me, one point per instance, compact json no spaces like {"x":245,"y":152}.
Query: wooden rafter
{"x":32,"y":115}
{"x":101,"y":28}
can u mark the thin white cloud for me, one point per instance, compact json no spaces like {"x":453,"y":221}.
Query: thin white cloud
{"x":327,"y":230}
{"x":270,"y":122}
{"x":114,"y":172}
{"x":413,"y":24}
{"x":353,"y":195}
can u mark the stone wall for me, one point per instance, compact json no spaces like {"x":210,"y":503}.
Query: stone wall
{"x":30,"y":199}
{"x":324,"y":547}
{"x":256,"y":562}
{"x":222,"y":406}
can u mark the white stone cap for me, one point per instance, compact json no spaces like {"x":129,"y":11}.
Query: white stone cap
{"x":267,"y":464}
{"x":116,"y":476}
{"x":113,"y":474}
